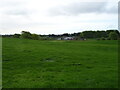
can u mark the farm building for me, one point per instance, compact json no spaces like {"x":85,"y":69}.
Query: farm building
{"x":68,"y":38}
{"x":59,"y":39}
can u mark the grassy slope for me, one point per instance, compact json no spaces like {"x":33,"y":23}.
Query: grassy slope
{"x":74,"y":64}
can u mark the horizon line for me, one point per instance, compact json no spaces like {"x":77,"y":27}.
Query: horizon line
{"x":61,"y":33}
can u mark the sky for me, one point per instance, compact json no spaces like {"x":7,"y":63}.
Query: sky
{"x":57,"y":16}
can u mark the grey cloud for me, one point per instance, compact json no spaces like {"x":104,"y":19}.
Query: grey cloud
{"x":11,"y":3}
{"x":17,"y":12}
{"x":13,"y":7}
{"x":113,"y":9}
{"x":82,"y":8}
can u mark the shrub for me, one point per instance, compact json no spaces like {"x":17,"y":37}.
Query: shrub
{"x":26,"y":35}
{"x":97,"y":38}
{"x":113,"y":36}
{"x":102,"y":38}
{"x":35,"y":36}
{"x":108,"y":38}
{"x":43,"y":38}
{"x":16,"y":35}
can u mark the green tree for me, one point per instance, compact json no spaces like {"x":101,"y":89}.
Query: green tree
{"x":81,"y":35}
{"x":113,"y":35}
{"x":16,"y":36}
{"x":26,"y":35}
{"x":102,"y":38}
{"x":35,"y":36}
{"x":66,"y":34}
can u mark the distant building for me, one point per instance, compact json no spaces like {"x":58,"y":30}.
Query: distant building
{"x":68,"y":38}
{"x":59,"y":39}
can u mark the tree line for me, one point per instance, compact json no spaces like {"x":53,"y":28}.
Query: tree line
{"x":108,"y":34}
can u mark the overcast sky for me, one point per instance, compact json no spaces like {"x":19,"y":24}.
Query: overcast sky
{"x":57,"y":16}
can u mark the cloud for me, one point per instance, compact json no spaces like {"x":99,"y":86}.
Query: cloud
{"x":55,"y":16}
{"x":17,"y":12}
{"x":83,"y":8}
{"x":10,"y":3}
{"x":13,"y":7}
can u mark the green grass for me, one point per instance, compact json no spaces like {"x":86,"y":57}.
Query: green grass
{"x":59,"y":64}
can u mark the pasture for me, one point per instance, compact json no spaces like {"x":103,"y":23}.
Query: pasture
{"x":59,"y":64}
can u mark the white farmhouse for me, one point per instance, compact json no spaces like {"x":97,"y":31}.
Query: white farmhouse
{"x":68,"y":38}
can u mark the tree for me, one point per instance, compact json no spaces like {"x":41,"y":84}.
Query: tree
{"x":16,"y":35}
{"x":102,"y":38}
{"x":109,"y":31}
{"x":26,"y":35}
{"x":88,"y":34}
{"x":81,"y":35}
{"x":113,"y":35}
{"x":35,"y":36}
{"x":66,"y":34}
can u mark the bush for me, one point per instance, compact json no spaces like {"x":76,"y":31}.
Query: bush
{"x":26,"y":35}
{"x":43,"y":38}
{"x":108,"y":38}
{"x":16,"y":35}
{"x":102,"y":38}
{"x":35,"y":36}
{"x":113,"y":36}
{"x":97,"y":38}
{"x":47,"y":38}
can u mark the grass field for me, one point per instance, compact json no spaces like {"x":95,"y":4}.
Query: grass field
{"x":59,"y":64}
